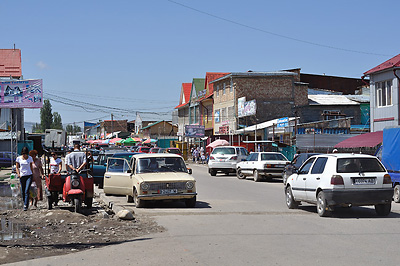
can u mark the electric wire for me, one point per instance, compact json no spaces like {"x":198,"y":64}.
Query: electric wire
{"x":273,"y":33}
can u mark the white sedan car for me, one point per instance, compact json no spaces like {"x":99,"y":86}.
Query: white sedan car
{"x":262,"y":164}
{"x":331,"y":180}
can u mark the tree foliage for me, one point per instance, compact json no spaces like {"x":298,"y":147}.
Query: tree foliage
{"x":46,"y":116}
{"x":57,"y":124}
{"x":73,"y":129}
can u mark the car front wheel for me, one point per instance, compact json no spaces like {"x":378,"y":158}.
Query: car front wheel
{"x":256,"y":176}
{"x":138,"y":202}
{"x":290,"y":202}
{"x":239,"y":174}
{"x":322,"y":207}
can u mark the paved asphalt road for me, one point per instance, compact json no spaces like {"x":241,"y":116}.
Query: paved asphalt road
{"x":240,"y":222}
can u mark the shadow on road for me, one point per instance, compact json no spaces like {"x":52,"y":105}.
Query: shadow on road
{"x":351,"y":212}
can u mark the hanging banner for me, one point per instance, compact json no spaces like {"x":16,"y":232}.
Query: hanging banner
{"x":21,"y":93}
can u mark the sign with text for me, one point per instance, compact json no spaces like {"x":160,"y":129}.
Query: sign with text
{"x":283,"y":122}
{"x":21,"y":93}
{"x":194,"y":131}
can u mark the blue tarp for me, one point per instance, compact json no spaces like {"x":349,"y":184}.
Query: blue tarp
{"x":391,"y":149}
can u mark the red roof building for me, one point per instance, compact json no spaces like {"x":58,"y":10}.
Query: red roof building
{"x":391,"y":63}
{"x":10,"y":63}
{"x":185,"y":95}
{"x":385,"y":94}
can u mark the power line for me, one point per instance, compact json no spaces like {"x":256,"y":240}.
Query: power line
{"x":275,"y":34}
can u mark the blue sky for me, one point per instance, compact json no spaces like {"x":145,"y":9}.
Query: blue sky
{"x":134,"y":55}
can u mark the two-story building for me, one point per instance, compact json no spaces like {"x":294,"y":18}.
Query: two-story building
{"x":385,"y":96}
{"x":276,"y":94}
{"x":183,"y":108}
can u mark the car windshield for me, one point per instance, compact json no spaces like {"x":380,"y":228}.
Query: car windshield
{"x":124,"y":156}
{"x":175,"y":151}
{"x":272,"y":157}
{"x":224,"y":151}
{"x":359,"y":165}
{"x":144,"y":149}
{"x":160,"y":164}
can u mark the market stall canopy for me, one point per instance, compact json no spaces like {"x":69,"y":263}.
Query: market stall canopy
{"x":150,"y":141}
{"x":370,"y":140}
{"x":114,"y":140}
{"x":129,"y":141}
{"x":218,"y":142}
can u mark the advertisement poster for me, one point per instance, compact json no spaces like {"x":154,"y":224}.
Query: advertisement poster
{"x":21,"y":94}
{"x":216,"y":116}
{"x":249,"y":108}
{"x":241,"y":102}
{"x":194,"y":131}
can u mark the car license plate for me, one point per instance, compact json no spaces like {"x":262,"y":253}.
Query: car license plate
{"x":168,"y":191}
{"x":364,"y":181}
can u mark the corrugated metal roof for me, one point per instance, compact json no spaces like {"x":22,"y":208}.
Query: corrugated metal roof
{"x":371,"y":139}
{"x":323,"y":99}
{"x":391,"y":63}
{"x":255,"y":74}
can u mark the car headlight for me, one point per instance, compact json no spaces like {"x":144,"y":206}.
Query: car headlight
{"x":75,"y":183}
{"x":145,"y":186}
{"x":189,"y":184}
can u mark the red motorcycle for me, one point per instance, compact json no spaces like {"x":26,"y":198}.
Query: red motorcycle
{"x":76,"y":188}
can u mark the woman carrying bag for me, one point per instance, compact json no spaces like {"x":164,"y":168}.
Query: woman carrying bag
{"x":24,"y":168}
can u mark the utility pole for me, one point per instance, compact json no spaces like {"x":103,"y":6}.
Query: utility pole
{"x":112,"y":125}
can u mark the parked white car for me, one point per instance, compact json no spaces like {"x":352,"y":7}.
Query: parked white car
{"x":224,"y":159}
{"x":332,"y":180}
{"x":262,"y":165}
{"x":151,"y":177}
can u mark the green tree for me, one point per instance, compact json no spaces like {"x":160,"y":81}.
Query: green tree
{"x":46,"y":116}
{"x":69,"y":129}
{"x":36,"y":128}
{"x":57,"y":124}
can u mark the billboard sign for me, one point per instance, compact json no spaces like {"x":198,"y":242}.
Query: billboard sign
{"x":194,"y":131}
{"x":249,"y":108}
{"x":21,"y":93}
{"x":283,"y":122}
{"x":241,"y":102}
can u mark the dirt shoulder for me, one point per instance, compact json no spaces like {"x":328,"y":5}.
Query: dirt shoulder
{"x":39,"y":232}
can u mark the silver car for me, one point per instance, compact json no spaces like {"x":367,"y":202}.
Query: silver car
{"x":224,"y":159}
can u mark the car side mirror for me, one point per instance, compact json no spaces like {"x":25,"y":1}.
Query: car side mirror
{"x":189,"y":171}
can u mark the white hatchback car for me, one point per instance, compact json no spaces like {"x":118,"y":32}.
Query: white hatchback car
{"x":331,"y":180}
{"x":224,"y":159}
{"x":262,"y":165}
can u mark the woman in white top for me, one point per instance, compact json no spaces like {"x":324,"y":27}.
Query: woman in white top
{"x":55,"y":164}
{"x":24,"y":168}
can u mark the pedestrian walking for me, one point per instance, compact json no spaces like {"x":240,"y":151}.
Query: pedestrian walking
{"x":37,"y":176}
{"x":55,"y":164}
{"x":24,"y":169}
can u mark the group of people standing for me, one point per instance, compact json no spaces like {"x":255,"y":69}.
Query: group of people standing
{"x":199,"y":155}
{"x":29,"y":169}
